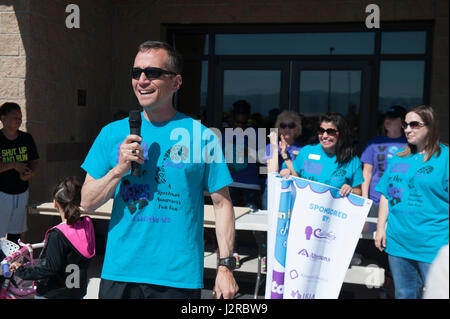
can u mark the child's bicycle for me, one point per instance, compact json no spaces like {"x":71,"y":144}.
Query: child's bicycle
{"x":14,"y":287}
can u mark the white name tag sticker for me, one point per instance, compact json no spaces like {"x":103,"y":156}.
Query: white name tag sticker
{"x":314,"y":157}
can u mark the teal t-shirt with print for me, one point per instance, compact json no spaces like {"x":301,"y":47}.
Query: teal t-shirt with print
{"x":314,"y":164}
{"x":417,"y":192}
{"x":156,"y":229}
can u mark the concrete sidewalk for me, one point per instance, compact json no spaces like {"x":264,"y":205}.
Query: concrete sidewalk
{"x":94,"y":272}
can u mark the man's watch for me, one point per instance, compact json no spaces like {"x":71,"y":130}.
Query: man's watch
{"x":229,"y":262}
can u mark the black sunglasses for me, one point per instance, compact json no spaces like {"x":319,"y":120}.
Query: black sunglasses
{"x":289,"y":125}
{"x":330,"y":131}
{"x":413,"y":124}
{"x":150,"y":73}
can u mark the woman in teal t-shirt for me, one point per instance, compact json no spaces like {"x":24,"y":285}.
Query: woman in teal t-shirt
{"x":332,"y":161}
{"x":414,"y":203}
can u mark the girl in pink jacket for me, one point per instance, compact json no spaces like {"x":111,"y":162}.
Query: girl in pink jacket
{"x":61,"y":271}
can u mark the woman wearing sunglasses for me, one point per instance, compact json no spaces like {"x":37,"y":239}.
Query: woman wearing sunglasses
{"x":289,"y":125}
{"x":333,"y":160}
{"x":414,"y":203}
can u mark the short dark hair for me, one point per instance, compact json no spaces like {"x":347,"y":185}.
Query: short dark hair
{"x":175,"y":63}
{"x":8,"y":107}
{"x":345,"y":150}
{"x":393,"y":112}
{"x":396,"y":111}
{"x":241,"y":107}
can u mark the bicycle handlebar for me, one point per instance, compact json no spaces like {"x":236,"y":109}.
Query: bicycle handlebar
{"x":36,"y":246}
{"x":16,"y":255}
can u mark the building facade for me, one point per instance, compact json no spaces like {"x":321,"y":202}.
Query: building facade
{"x":309,"y":56}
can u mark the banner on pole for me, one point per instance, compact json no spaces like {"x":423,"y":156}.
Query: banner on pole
{"x":312,"y":235}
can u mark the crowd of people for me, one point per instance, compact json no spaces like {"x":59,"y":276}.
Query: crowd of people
{"x":404,"y":171}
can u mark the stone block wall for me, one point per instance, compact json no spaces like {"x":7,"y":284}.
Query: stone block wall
{"x":43,"y":64}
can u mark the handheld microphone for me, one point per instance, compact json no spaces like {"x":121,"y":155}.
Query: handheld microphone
{"x":135,"y":128}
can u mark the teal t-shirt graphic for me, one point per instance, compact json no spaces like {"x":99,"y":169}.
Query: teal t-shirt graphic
{"x":314,"y":164}
{"x":417,"y":192}
{"x":156,"y":228}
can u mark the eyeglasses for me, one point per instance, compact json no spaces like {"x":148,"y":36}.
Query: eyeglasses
{"x":330,"y":131}
{"x":413,"y":124}
{"x":288,"y":125}
{"x":150,"y":73}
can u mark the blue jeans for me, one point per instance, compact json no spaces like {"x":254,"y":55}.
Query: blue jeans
{"x":409,"y":277}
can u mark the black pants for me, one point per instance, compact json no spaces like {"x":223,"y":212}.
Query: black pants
{"x":129,"y":290}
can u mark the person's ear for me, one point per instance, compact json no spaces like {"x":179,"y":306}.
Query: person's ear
{"x":57,"y":206}
{"x":177,"y":82}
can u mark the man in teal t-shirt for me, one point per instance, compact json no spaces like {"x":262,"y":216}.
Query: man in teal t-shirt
{"x":155,"y":239}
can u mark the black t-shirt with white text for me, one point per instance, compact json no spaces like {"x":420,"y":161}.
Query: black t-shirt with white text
{"x":22,"y":149}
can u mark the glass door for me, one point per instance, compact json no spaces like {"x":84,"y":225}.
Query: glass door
{"x":309,"y":87}
{"x":334,"y":86}
{"x":263,"y":84}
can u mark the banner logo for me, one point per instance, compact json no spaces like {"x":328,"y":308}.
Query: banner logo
{"x":313,"y":256}
{"x":318,"y":233}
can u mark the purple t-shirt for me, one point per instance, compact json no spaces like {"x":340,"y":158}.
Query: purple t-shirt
{"x":377,"y":153}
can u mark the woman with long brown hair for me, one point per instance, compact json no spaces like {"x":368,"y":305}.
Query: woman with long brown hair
{"x":333,"y":160}
{"x":414,"y":203}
